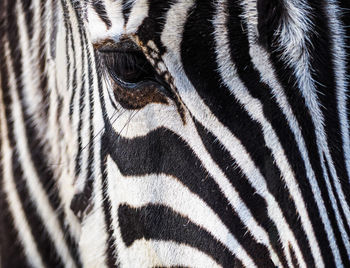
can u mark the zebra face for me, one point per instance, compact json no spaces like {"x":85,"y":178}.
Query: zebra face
{"x":207,"y":152}
{"x":187,"y":133}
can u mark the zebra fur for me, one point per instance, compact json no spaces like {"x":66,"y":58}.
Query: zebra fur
{"x":235,"y":155}
{"x":44,"y":62}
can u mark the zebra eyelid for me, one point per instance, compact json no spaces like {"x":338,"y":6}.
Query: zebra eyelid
{"x":125,"y":44}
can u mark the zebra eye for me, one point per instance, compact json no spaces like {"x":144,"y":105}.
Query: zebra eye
{"x":135,"y":82}
{"x":129,"y":67}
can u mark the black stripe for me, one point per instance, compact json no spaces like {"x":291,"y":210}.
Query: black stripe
{"x":82,"y":200}
{"x":28,"y":13}
{"x":127,"y":6}
{"x":112,"y":260}
{"x":42,"y":60}
{"x":11,"y":249}
{"x":152,"y":26}
{"x":68,"y":39}
{"x":164,"y":152}
{"x":295,"y":262}
{"x":82,"y":104}
{"x":100,"y":9}
{"x":162,"y":223}
{"x":53,"y":33}
{"x":99,"y":72}
{"x":91,"y":157}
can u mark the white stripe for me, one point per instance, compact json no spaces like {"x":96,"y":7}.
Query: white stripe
{"x":167,"y":253}
{"x":137,"y":14}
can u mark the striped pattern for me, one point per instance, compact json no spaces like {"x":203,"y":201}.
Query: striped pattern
{"x":48,"y":88}
{"x":247,"y":163}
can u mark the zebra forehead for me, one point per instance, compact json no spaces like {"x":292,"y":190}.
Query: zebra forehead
{"x":113,"y":19}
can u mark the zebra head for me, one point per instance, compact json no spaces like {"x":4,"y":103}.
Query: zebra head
{"x":188,"y":133}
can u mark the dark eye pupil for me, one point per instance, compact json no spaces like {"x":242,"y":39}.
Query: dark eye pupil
{"x":132,"y":74}
{"x":130,"y":67}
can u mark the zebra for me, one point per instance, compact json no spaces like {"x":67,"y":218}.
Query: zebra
{"x":144,"y":133}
